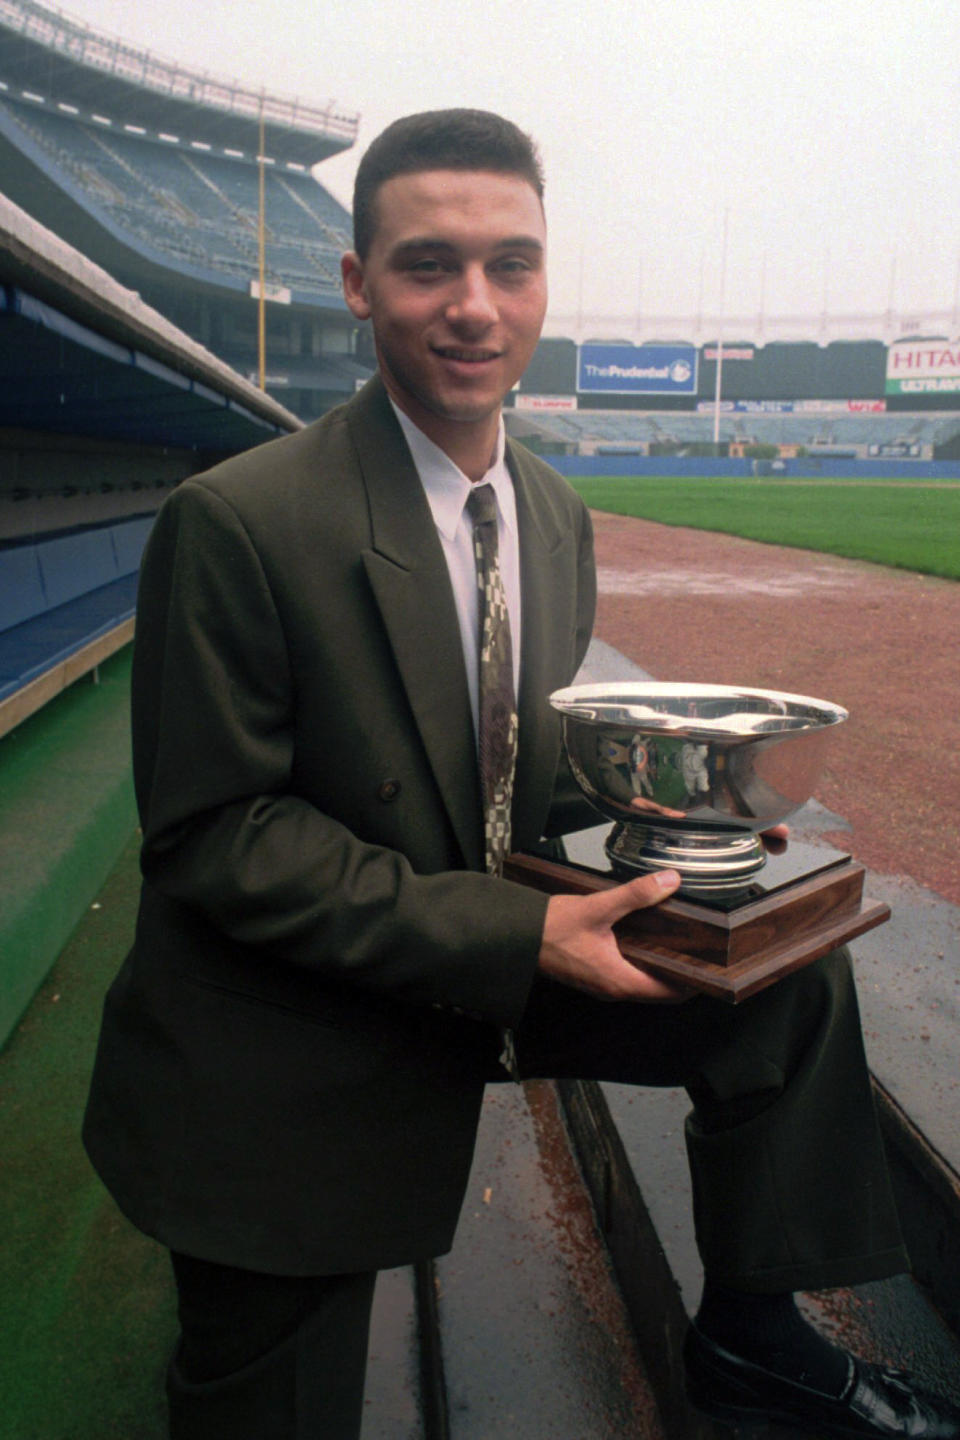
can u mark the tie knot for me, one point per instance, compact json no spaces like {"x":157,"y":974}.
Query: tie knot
{"x":482,"y":504}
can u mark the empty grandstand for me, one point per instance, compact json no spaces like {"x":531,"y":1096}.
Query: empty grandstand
{"x":153,"y":170}
{"x":854,"y":400}
{"x":104,"y":407}
{"x":826,"y":434}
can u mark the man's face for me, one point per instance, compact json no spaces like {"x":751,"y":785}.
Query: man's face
{"x":455,"y":285}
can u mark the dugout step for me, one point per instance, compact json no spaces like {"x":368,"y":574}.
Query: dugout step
{"x":630,"y":1144}
{"x":521,"y":1329}
{"x":534,"y":1337}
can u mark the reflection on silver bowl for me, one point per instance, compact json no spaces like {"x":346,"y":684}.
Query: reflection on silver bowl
{"x":692,"y":773}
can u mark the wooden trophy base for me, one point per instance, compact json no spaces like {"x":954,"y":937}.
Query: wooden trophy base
{"x":731,"y":949}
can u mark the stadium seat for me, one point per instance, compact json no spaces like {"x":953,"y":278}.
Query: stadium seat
{"x":66,"y":602}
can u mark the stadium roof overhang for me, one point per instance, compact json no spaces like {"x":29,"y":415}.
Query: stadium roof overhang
{"x":81,"y":355}
{"x":126,"y":86}
{"x":57,"y":375}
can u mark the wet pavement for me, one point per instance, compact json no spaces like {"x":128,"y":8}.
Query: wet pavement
{"x":532,"y":1334}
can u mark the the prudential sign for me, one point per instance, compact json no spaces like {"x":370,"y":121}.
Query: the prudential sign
{"x":637,"y":369}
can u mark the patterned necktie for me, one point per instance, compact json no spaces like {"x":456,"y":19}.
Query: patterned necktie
{"x":497,"y":704}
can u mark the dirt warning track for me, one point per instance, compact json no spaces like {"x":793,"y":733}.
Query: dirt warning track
{"x":700,"y":606}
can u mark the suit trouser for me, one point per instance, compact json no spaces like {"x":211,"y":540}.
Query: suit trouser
{"x":789,"y":1180}
{"x":268,"y":1357}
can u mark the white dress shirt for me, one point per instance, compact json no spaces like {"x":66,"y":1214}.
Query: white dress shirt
{"x":446,"y":488}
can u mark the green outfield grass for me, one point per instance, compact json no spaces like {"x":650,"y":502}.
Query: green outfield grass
{"x":911,"y":524}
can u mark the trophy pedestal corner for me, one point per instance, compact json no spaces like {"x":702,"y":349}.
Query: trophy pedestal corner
{"x":733,"y":949}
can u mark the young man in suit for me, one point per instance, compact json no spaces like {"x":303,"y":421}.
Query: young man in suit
{"x":327,"y":965}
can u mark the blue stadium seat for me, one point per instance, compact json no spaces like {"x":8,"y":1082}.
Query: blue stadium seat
{"x":199,"y":209}
{"x":62,"y":596}
{"x":21,"y":585}
{"x":72,"y":565}
{"x":30,"y":649}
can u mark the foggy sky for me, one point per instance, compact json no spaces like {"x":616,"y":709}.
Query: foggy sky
{"x":827,"y":135}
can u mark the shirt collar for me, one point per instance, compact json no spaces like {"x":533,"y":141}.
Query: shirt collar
{"x":445,"y":485}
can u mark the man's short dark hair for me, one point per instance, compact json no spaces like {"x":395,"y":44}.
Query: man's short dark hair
{"x":440,"y":140}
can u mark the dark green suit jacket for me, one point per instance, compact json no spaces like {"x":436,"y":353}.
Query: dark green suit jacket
{"x":292,"y":1057}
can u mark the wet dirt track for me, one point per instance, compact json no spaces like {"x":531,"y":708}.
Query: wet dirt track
{"x":699,"y":606}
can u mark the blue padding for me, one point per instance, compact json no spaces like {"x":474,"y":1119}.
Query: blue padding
{"x":21,"y":588}
{"x":35,"y":646}
{"x":128,"y":542}
{"x":74,"y":564}
{"x":47,"y":315}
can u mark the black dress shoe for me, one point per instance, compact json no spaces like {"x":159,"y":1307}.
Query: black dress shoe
{"x":876,"y":1402}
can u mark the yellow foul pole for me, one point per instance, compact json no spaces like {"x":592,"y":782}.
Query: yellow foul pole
{"x":261,"y":245}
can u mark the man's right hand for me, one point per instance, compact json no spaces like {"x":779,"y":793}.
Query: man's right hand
{"x":580,"y":949}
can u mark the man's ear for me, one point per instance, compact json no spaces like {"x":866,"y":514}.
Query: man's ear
{"x":354,"y":287}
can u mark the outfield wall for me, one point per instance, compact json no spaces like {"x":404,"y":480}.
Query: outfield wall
{"x":906,"y":376}
{"x":703,"y":467}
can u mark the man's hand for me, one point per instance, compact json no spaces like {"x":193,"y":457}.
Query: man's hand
{"x":580,"y":949}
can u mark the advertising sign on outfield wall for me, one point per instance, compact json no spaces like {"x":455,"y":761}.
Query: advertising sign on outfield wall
{"x":840,"y":407}
{"x":730,"y":352}
{"x":749,"y":407}
{"x":795,"y":407}
{"x":923,"y":367}
{"x":637,"y":369}
{"x":898,"y":450}
{"x":546,"y":402}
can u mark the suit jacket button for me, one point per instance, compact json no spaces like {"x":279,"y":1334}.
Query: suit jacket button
{"x":389,"y":790}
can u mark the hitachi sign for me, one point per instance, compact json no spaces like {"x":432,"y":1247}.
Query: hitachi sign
{"x":917,"y":366}
{"x":927,"y":357}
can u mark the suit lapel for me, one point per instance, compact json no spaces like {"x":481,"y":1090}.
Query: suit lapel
{"x":408,"y":575}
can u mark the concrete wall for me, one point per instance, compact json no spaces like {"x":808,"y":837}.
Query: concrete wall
{"x":67,"y":807}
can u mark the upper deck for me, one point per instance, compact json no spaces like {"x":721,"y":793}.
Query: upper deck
{"x":47,"y":55}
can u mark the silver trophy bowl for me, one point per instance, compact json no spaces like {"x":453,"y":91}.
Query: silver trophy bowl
{"x":692,"y":774}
